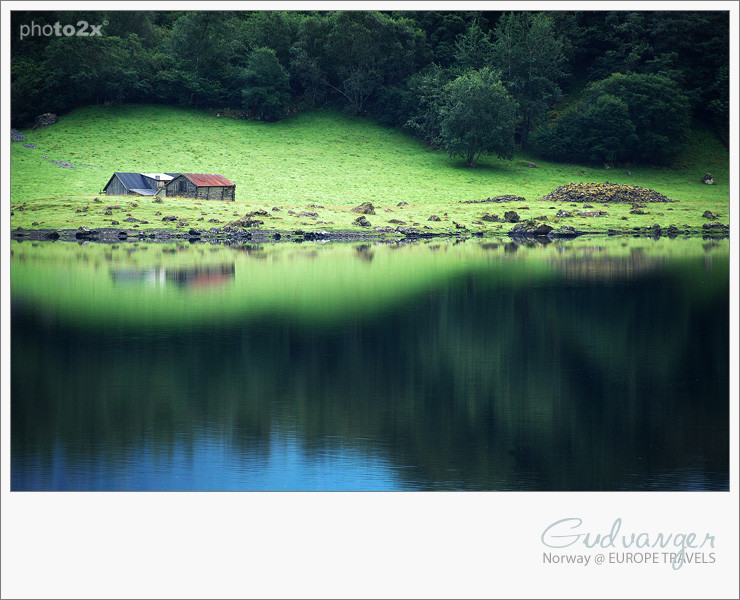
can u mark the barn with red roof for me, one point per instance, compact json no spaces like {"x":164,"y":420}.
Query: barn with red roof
{"x":204,"y":186}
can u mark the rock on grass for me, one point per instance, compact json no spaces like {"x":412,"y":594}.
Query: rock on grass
{"x":366,"y":208}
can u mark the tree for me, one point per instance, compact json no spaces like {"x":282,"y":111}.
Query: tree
{"x":428,"y":91}
{"x":266,"y":89}
{"x":473,"y":48}
{"x":607,"y":133}
{"x":276,"y":29}
{"x":306,"y":73}
{"x":205,"y":46}
{"x":624,"y":118}
{"x":478,"y":117}
{"x":367,"y":50}
{"x":530,"y":56}
{"x":658,"y":110}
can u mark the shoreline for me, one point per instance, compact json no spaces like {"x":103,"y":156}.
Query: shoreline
{"x":235,"y":235}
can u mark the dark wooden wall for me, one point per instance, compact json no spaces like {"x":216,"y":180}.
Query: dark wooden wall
{"x":182,"y":186}
{"x":116,"y":188}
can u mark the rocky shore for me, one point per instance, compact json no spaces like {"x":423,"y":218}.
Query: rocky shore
{"x":254,"y":226}
{"x":236,"y":235}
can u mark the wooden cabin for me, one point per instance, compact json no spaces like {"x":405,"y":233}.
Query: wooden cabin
{"x":139,"y":184}
{"x":204,"y":186}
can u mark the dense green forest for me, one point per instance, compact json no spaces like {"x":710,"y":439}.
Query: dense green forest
{"x":587,"y":86}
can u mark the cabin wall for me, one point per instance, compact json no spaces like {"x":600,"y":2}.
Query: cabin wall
{"x":116,"y":188}
{"x":216,"y":192}
{"x":181,"y":186}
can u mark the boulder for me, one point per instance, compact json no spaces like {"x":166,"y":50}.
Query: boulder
{"x":409,"y":231}
{"x":362,"y":221}
{"x":400,"y":204}
{"x":244,"y":222}
{"x":434,"y":218}
{"x":563,"y":213}
{"x":708,"y":215}
{"x":492,"y":218}
{"x":530,"y":229}
{"x":84,"y":233}
{"x":45,"y":120}
{"x":511,"y":216}
{"x":566,"y":231}
{"x":17,"y":136}
{"x":708,"y":179}
{"x":366,"y":208}
{"x":312,"y":236}
{"x":716,"y":225}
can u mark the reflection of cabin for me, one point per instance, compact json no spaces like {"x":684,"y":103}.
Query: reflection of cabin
{"x":201,"y":185}
{"x":141,"y":184}
{"x":187,"y":277}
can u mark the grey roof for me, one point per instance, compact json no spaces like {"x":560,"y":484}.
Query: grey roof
{"x":129,"y":180}
{"x":143,"y":191}
{"x":134,"y":181}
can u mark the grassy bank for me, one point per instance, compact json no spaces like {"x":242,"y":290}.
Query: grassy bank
{"x":323,"y":163}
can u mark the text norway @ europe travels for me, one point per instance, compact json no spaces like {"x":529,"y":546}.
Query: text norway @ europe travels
{"x":560,"y":534}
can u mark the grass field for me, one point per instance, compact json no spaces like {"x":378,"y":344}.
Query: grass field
{"x":321,"y":162}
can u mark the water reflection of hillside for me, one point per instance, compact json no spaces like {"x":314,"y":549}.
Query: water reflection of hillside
{"x":472,"y":386}
{"x":187,"y":277}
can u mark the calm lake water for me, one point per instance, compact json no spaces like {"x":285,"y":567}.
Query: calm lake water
{"x":594,"y":364}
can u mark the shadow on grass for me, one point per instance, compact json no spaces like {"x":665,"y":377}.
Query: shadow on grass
{"x":489,"y":167}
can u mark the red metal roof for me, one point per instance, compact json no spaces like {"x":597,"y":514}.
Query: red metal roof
{"x":207,"y":179}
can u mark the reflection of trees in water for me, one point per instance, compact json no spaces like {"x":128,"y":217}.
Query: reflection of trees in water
{"x":593,"y":386}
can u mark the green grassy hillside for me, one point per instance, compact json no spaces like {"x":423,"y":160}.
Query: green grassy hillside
{"x":320,"y":158}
